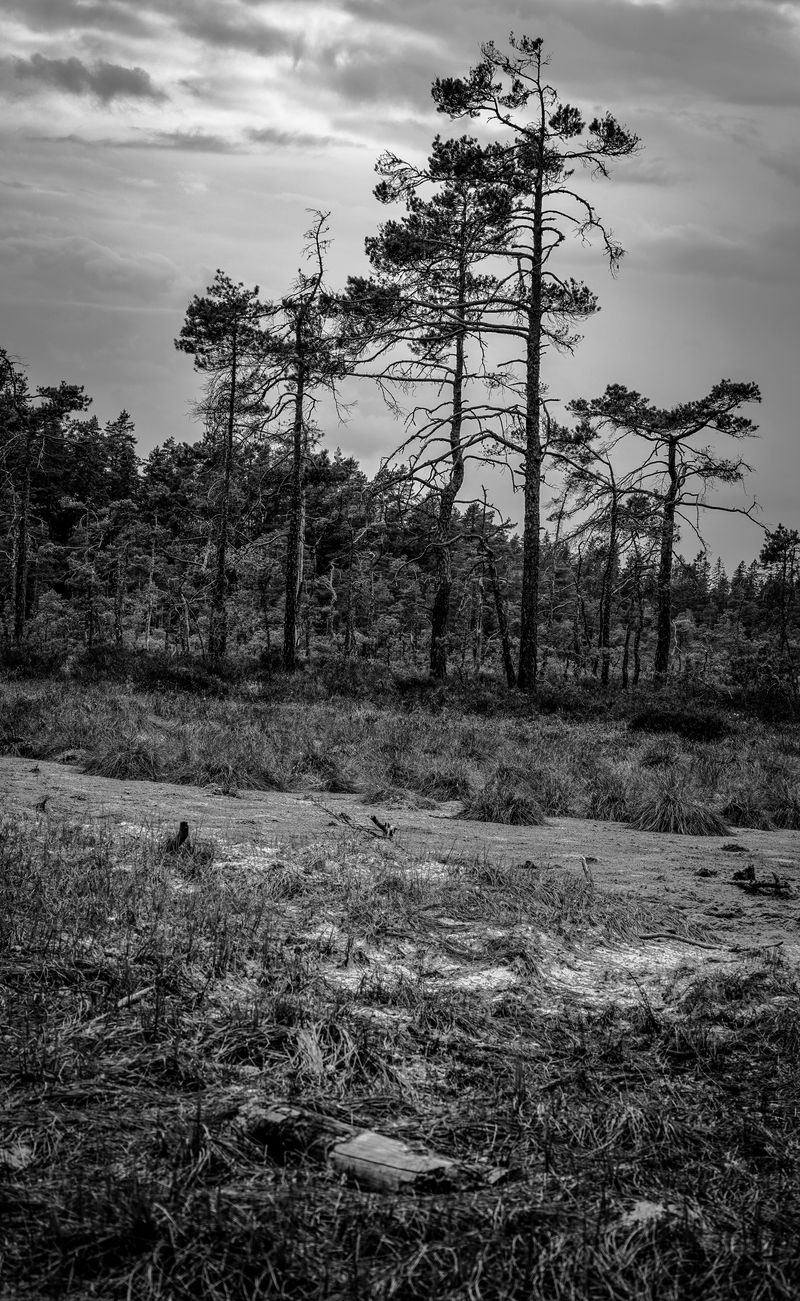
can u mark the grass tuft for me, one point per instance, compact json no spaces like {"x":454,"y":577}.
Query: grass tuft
{"x":507,"y":797}
{"x":673,"y":809}
{"x":748,"y":809}
{"x":785,"y":804}
{"x":610,"y":792}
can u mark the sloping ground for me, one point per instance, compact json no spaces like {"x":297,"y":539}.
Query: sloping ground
{"x":691,"y":874}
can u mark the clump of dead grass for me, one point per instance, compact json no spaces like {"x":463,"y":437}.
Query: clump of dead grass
{"x":747,"y":808}
{"x":785,"y":804}
{"x":671,"y":807}
{"x":132,"y":756}
{"x":611,"y":786}
{"x":507,"y":797}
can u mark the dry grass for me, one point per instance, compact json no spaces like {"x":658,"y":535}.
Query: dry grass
{"x":631,"y":1152}
{"x":563,"y":768}
{"x":508,"y":797}
{"x":673,"y":808}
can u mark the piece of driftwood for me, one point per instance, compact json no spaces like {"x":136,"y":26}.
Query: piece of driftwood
{"x":387,"y":829}
{"x":681,"y":939}
{"x":748,"y":881}
{"x":369,"y":1159}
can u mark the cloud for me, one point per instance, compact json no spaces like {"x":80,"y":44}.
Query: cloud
{"x":76,"y":268}
{"x":219,"y":24}
{"x":770,"y":255}
{"x":362,"y":72}
{"x":249,"y":33}
{"x":80,"y":15}
{"x":644,"y":169}
{"x":785,"y":164}
{"x":733,"y":51}
{"x":194,"y":142}
{"x":102,"y":81}
{"x":270,"y":135}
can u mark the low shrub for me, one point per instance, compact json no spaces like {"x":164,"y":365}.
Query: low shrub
{"x":691,"y":724}
{"x":579,"y":700}
{"x":31,"y":661}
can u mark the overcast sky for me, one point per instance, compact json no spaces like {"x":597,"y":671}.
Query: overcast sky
{"x":147,"y":142}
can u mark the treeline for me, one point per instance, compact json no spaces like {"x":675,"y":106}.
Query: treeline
{"x":256,"y":541}
{"x":122,"y":552}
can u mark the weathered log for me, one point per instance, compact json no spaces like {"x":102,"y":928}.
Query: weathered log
{"x":369,"y":1159}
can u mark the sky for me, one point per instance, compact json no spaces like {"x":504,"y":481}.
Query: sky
{"x":147,"y":142}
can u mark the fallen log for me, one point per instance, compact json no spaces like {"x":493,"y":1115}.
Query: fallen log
{"x":369,"y":1159}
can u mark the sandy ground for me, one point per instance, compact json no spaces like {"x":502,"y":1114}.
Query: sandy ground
{"x":692,"y":874}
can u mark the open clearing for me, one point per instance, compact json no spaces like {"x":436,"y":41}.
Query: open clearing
{"x":595,"y":1026}
{"x":692,"y":876}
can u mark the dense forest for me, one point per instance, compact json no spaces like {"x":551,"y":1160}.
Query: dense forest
{"x":259,"y":543}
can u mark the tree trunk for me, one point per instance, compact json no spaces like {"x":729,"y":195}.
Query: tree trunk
{"x":294,"y":539}
{"x":637,"y":636}
{"x":606,"y":589}
{"x":528,"y":638}
{"x":218,"y":631}
{"x":119,"y":592}
{"x":347,"y":645}
{"x":500,"y":611}
{"x":21,"y":549}
{"x":185,"y":626}
{"x":440,"y":613}
{"x":150,"y":588}
{"x":664,"y":582}
{"x":627,"y":647}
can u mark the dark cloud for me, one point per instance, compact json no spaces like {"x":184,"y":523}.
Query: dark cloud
{"x":190,"y":142}
{"x":289,"y":139}
{"x":102,"y":81}
{"x":48,"y":16}
{"x":73,"y":266}
{"x":221,"y":24}
{"x":194,"y":142}
{"x":211,"y":25}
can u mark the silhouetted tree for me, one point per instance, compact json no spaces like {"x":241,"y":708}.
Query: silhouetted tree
{"x":534,"y":306}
